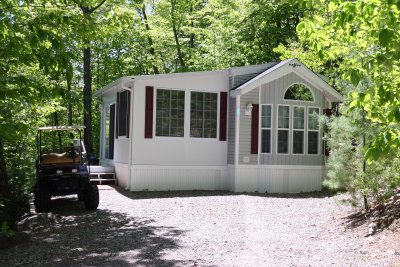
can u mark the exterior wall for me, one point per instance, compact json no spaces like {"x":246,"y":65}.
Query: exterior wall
{"x":244,"y":178}
{"x":121,"y":150}
{"x":185,"y":163}
{"x":107,"y":100}
{"x":231,"y":130}
{"x":277,"y":178}
{"x":272,"y":93}
{"x":161,"y":178}
{"x":121,"y":172}
{"x":245,"y":129}
{"x":177,"y":151}
{"x":121,"y":146}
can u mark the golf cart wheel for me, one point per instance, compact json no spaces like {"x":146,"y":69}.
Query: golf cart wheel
{"x":42,"y":198}
{"x":91,"y":197}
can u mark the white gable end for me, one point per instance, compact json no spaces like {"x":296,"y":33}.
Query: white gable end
{"x":283,"y":68}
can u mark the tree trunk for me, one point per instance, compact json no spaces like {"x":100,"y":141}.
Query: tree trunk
{"x":4,"y":186}
{"x":56,"y":123}
{"x":149,"y":39}
{"x":191,"y":38}
{"x":69,"y":103}
{"x":366,"y":206}
{"x":178,"y":46}
{"x":87,"y":100}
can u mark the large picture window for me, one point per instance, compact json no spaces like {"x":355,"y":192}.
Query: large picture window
{"x":203,"y":115}
{"x":283,"y":129}
{"x":170,"y":113}
{"x":266,"y":125}
{"x":313,"y":131}
{"x":298,"y":130}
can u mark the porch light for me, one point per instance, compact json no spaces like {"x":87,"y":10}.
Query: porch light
{"x":248,"y":109}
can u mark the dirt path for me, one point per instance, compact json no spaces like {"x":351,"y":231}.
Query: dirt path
{"x":202,"y":229}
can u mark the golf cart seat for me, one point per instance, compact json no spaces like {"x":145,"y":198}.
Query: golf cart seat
{"x":58,"y":158}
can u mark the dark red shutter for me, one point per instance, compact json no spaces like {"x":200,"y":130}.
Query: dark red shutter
{"x":223,"y":115}
{"x":117,"y":117}
{"x":128,"y":112}
{"x":111,"y":132}
{"x":254,"y":129}
{"x":148,"y":120}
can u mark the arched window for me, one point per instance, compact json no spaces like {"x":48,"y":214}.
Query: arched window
{"x":299,"y":92}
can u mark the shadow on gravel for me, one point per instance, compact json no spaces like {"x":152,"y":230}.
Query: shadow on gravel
{"x":206,"y":193}
{"x":98,"y":238}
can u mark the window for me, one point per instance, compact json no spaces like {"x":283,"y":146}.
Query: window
{"x":299,"y":92}
{"x":109,"y":132}
{"x":298,"y":130}
{"x":283,"y":129}
{"x":266,"y":125}
{"x":170,"y":113}
{"x":313,"y":130}
{"x":123,"y":105}
{"x":203,"y":115}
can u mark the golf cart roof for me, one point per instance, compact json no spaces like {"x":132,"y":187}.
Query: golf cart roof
{"x":61,"y":128}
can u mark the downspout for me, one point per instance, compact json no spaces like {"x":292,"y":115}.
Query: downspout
{"x":130,"y":133}
{"x":237,"y":129}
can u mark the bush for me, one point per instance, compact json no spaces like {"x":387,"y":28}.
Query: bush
{"x":348,"y":137}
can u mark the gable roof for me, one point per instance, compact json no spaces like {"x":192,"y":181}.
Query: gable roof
{"x":283,"y":68}
{"x":249,"y":72}
{"x":256,"y":74}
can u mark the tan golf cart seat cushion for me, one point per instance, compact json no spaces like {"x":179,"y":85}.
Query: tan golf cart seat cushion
{"x":55,"y":158}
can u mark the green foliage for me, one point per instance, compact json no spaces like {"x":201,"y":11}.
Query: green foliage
{"x":346,"y":164}
{"x":363,"y":38}
{"x":41,"y":75}
{"x":6,"y":230}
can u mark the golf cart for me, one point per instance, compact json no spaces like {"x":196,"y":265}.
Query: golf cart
{"x":61,"y":167}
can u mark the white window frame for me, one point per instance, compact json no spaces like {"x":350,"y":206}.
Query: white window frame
{"x":190,"y":115}
{"x":317,"y":131}
{"x":155,"y":114}
{"x":299,"y":130}
{"x":304,"y":101}
{"x":266,"y":128}
{"x":277,"y":129}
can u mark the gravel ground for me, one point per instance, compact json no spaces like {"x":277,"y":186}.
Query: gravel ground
{"x":201,"y":229}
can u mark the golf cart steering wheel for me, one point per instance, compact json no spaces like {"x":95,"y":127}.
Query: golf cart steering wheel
{"x":72,"y":152}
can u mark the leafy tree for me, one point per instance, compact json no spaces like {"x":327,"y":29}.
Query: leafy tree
{"x":356,"y":43}
{"x":363,"y":39}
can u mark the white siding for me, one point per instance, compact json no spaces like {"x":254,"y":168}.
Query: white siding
{"x":278,"y":179}
{"x":121,"y":172}
{"x":177,"y":151}
{"x":161,"y":178}
{"x":245,"y":129}
{"x":272,"y":93}
{"x":231,"y":130}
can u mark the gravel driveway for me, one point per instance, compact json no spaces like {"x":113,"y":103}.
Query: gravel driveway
{"x":201,"y":229}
